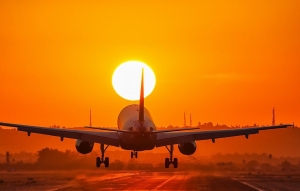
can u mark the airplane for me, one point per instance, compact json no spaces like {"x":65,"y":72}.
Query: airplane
{"x":137,"y":132}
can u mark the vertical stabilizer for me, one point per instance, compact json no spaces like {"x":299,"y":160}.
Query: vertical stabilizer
{"x":141,"y":110}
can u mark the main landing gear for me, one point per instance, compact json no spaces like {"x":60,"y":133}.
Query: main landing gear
{"x":134,"y":153}
{"x":101,"y":160}
{"x":170,"y":160}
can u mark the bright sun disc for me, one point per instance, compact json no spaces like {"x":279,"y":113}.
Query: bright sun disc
{"x":126,"y":80}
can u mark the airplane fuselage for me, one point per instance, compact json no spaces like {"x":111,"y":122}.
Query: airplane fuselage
{"x":139,"y":138}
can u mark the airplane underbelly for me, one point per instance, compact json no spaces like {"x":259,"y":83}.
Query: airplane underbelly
{"x":138,"y":142}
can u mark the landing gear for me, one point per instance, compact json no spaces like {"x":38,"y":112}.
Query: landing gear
{"x":101,"y":160}
{"x":175,"y":162}
{"x":106,"y":162}
{"x":98,"y":162}
{"x":170,"y":160}
{"x":167,"y":162}
{"x":134,"y":153}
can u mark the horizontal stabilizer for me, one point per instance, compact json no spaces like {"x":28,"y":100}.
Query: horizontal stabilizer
{"x":128,"y":131}
{"x":106,"y":129}
{"x":177,"y":129}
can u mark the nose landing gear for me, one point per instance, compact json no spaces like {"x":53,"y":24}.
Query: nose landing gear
{"x":103,"y":160}
{"x":134,"y":153}
{"x":170,"y":160}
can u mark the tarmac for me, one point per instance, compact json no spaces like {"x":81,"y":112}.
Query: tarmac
{"x":142,"y":181}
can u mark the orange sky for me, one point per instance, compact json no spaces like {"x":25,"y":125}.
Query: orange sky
{"x":223,"y":61}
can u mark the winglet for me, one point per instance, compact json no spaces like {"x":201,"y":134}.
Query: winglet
{"x":141,"y":110}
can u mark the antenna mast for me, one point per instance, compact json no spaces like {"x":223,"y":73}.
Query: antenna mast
{"x":184,"y":121}
{"x":273,"y":119}
{"x":90,"y":117}
{"x":7,"y":159}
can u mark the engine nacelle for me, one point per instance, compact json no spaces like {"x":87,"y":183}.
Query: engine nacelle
{"x":187,"y":148}
{"x":84,"y":147}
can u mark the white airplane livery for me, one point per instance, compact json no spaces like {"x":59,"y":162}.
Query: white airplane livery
{"x":137,"y":132}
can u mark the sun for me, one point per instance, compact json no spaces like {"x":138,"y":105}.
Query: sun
{"x":126,"y":80}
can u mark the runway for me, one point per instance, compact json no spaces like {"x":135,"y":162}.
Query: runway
{"x":158,"y":181}
{"x":116,"y":180}
{"x":103,"y":180}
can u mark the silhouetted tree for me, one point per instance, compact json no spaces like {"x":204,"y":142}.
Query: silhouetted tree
{"x":53,"y":158}
{"x":266,"y":167}
{"x":286,"y":165}
{"x":252,"y":164}
{"x":244,"y":161}
{"x":270,"y":156}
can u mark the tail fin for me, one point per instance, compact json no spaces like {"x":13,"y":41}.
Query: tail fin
{"x":141,"y":110}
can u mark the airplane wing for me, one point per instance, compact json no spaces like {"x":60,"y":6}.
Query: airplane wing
{"x":169,"y":138}
{"x":104,"y":137}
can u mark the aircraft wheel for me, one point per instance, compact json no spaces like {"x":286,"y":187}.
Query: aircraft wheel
{"x":175,"y":162}
{"x":131,"y":154}
{"x":136,"y":154}
{"x":98,"y":162}
{"x":167,"y":162}
{"x":106,"y":162}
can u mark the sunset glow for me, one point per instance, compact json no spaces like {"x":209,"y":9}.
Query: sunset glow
{"x":126,"y":80}
{"x":226,"y":62}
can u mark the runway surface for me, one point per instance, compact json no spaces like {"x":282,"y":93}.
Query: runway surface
{"x":97,"y":180}
{"x":157,"y":181}
{"x":108,"y":180}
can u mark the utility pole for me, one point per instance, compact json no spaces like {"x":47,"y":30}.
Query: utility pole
{"x":273,"y":119}
{"x":7,"y":159}
{"x":184,"y":121}
{"x":190,"y":120}
{"x":90,"y":117}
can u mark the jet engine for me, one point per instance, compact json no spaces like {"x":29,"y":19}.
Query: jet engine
{"x":84,"y":147}
{"x":187,"y":148}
